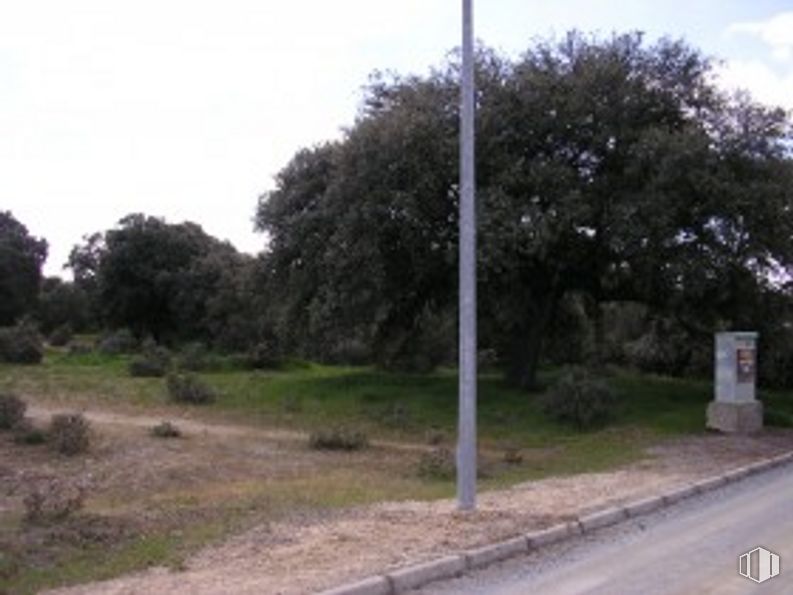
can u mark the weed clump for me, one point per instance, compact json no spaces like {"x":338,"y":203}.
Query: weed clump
{"x":165,"y":430}
{"x":187,"y":388}
{"x":580,"y":399}
{"x":70,"y":433}
{"x":12,"y":410}
{"x":338,"y":439}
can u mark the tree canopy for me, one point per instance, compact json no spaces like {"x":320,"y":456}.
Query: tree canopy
{"x":169,"y":281}
{"x":612,"y":168}
{"x":21,"y":259}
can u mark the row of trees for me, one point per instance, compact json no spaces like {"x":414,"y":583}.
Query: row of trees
{"x":614,"y":177}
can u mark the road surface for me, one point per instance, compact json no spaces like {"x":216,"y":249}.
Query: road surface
{"x":689,"y":549}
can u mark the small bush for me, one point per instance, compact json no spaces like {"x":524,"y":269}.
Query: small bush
{"x":21,"y":344}
{"x":580,"y":399}
{"x":70,"y":433}
{"x":61,"y":335}
{"x":166,"y":430}
{"x":512,"y":456}
{"x":291,"y":404}
{"x":26,"y":432}
{"x":194,"y":358}
{"x":437,"y":464}
{"x":122,"y":341}
{"x":80,"y":349}
{"x":263,"y":356}
{"x":53,"y":500}
{"x":154,"y":362}
{"x":12,"y":410}
{"x":187,"y":388}
{"x":435,"y":436}
{"x":338,"y":439}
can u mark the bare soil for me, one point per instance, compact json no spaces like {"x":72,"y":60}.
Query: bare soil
{"x":292,"y":554}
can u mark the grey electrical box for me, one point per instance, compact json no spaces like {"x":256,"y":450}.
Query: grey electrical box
{"x":735,"y":408}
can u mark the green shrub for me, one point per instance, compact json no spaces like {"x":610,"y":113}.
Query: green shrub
{"x":437,"y":464}
{"x":165,"y":430}
{"x":580,"y":399}
{"x":187,"y":388}
{"x":154,"y":362}
{"x":338,"y":439}
{"x":80,"y":349}
{"x":778,"y":419}
{"x":70,"y":433}
{"x":21,"y":344}
{"x":26,"y":432}
{"x":121,"y":341}
{"x":263,"y":356}
{"x":12,"y":410}
{"x":61,"y":336}
{"x":194,"y":358}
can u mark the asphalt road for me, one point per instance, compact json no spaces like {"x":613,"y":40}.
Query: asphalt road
{"x":689,"y":549}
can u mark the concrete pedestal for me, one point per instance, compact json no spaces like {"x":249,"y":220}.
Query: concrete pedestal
{"x":735,"y":417}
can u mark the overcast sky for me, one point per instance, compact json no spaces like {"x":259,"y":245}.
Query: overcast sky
{"x":186,"y":109}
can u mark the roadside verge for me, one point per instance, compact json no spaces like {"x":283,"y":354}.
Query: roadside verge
{"x":448,"y":567}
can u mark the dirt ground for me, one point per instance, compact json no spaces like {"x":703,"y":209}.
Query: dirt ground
{"x":307,"y":553}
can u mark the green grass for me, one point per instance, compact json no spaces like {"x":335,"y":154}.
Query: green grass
{"x":77,"y":565}
{"x":400,"y":407}
{"x":388,"y":405}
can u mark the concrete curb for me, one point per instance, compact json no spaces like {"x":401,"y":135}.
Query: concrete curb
{"x":415,"y":576}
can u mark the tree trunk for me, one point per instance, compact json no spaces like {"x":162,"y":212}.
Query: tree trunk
{"x":525,"y":347}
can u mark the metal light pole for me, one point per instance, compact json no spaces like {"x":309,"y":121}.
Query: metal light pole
{"x":466,"y":445}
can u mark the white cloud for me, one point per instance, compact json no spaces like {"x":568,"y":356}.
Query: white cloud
{"x":776,"y":32}
{"x":769,"y":81}
{"x":766,"y":84}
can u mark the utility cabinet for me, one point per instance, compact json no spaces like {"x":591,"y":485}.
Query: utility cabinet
{"x":735,"y":407}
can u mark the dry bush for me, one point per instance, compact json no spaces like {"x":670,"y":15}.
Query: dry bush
{"x":52,"y":499}
{"x":70,"y":433}
{"x":186,"y":388}
{"x":437,"y":464}
{"x":12,"y":410}
{"x":165,"y":430}
{"x":338,"y":439}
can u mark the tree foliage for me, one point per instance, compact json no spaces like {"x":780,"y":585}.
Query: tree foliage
{"x":173,"y":282}
{"x":609,"y":168}
{"x":21,"y":259}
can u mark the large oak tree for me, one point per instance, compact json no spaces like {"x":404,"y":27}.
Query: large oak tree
{"x":611,"y":168}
